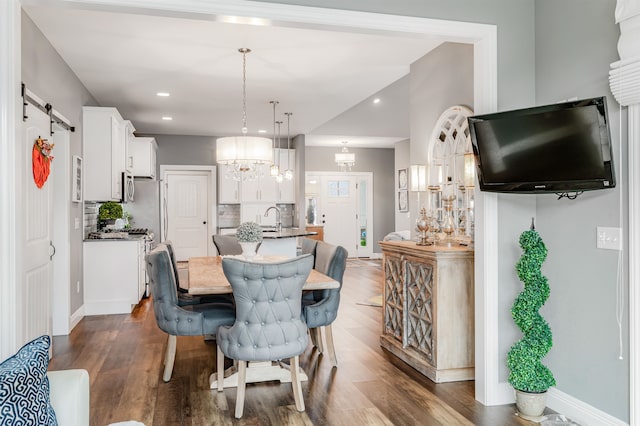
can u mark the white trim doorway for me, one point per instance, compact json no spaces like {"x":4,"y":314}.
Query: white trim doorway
{"x":482,"y":36}
{"x":211,"y":199}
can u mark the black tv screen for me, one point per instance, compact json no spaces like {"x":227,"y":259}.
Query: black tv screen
{"x":556,"y":148}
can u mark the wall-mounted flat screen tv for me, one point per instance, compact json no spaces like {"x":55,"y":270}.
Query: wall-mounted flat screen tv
{"x":559,"y":148}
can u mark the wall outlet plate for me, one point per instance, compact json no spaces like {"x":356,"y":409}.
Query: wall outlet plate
{"x":609,"y":238}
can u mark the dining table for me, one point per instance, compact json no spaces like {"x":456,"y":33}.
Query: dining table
{"x":207,"y":277}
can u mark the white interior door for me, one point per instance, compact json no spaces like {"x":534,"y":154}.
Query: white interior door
{"x":187,"y":212}
{"x":38,"y":249}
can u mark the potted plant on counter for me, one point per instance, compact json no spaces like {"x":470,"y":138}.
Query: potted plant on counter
{"x":529,"y":377}
{"x":249,"y":234}
{"x":109,"y":212}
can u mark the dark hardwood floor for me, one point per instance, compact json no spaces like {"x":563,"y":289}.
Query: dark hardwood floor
{"x":124,"y":357}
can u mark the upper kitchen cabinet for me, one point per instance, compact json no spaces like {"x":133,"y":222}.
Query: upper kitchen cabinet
{"x":143,"y":153}
{"x":128,"y":137}
{"x":104,"y":150}
{"x":228,"y":189}
{"x":263,"y":189}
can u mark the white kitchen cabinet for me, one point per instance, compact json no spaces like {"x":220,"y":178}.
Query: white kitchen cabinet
{"x":128,"y":137}
{"x":264,"y":189}
{"x":254,"y":212}
{"x":287,"y":188}
{"x":228,"y":189}
{"x":114,"y":275}
{"x":104,"y":152}
{"x":143,"y":153}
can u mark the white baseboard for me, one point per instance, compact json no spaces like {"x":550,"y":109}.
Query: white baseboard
{"x":375,"y":256}
{"x":76,"y":317}
{"x":562,"y":403}
{"x":579,"y":411}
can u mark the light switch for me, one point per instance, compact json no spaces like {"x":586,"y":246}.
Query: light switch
{"x":77,"y":223}
{"x":609,"y":238}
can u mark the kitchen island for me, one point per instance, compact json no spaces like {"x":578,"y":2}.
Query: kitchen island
{"x":282,"y":242}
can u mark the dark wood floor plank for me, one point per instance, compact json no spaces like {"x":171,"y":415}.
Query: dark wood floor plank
{"x":124,"y":356}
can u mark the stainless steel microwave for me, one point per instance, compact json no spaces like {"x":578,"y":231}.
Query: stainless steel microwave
{"x":128,"y":188}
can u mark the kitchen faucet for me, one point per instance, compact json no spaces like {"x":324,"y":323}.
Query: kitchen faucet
{"x":278,"y":221}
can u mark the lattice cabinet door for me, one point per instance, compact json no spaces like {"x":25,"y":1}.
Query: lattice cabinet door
{"x":393,"y":296}
{"x":419,"y":304}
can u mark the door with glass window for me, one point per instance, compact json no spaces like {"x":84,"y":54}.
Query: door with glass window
{"x":344,"y":209}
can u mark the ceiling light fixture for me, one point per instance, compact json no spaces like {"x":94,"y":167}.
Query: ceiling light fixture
{"x":376,"y":101}
{"x":288,"y":174}
{"x":345,"y":159}
{"x":163,"y":94}
{"x":242,"y":155}
{"x":167,"y":118}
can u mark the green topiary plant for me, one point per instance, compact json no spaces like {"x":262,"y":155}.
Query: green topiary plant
{"x":528,"y":374}
{"x":110,"y":210}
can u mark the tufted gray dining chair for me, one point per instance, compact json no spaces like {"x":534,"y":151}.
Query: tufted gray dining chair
{"x":308,"y":246}
{"x":320,"y":308}
{"x":193,"y":320}
{"x":227,"y":244}
{"x":269,"y":325}
{"x":184,"y":298}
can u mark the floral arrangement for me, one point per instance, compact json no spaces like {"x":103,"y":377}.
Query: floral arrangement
{"x":528,"y":374}
{"x":45,"y":148}
{"x":41,"y":158}
{"x":249,"y":232}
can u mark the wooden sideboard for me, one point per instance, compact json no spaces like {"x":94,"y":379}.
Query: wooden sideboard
{"x":428,"y":308}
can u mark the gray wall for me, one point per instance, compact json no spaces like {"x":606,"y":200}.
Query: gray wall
{"x":575,"y":43}
{"x":185,"y":150}
{"x":46,"y":74}
{"x":380,"y":162}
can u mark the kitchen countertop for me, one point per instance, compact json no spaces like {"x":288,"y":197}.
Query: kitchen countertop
{"x":116,"y":238}
{"x":286,"y":233}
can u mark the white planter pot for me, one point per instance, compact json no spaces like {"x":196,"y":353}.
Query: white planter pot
{"x":531,"y":405}
{"x":248,"y":250}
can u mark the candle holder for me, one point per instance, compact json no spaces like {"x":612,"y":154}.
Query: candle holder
{"x":448,"y":225}
{"x":423,"y":224}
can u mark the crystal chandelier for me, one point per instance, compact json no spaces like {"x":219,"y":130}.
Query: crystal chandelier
{"x":243,"y":155}
{"x":345,"y":159}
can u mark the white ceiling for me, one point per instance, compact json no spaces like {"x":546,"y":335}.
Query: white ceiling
{"x":327,"y":79}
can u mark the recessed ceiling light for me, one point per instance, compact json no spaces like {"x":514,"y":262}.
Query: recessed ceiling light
{"x":163,"y":94}
{"x":167,"y":118}
{"x":376,"y":101}
{"x":262,"y":131}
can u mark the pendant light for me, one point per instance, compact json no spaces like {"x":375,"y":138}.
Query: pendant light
{"x":288,"y":173}
{"x":345,"y":159}
{"x":279,"y":176}
{"x":274,"y":170}
{"x":243,"y":155}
